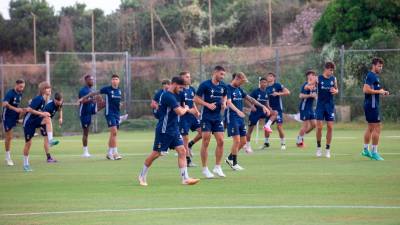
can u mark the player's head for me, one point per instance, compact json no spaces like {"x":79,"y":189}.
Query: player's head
{"x":165,"y":84}
{"x":177,"y":85}
{"x":329,"y":68}
{"x":377,"y":65}
{"x":115,"y":80}
{"x":271,"y":77}
{"x":45,"y":88}
{"x":58,"y":100}
{"x":185,"y":75}
{"x":311,"y":76}
{"x":19,"y":85}
{"x":263,"y":83}
{"x":219,"y":73}
{"x":89,"y":80}
{"x":238,"y":79}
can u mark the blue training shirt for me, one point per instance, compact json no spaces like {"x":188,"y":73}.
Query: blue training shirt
{"x":187,"y":95}
{"x":37,"y":104}
{"x":275,"y":102}
{"x":306,"y":104}
{"x":12,"y":98}
{"x":51,"y":108}
{"x":168,"y":119}
{"x":113,"y":100}
{"x":87,"y":108}
{"x":372,"y":100}
{"x":261,"y":96}
{"x":236,"y":95}
{"x":325,"y":97}
{"x":212,"y":94}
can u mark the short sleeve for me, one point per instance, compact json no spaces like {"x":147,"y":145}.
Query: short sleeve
{"x":254,"y":94}
{"x":225,"y":93}
{"x":229,"y":93}
{"x":104,"y":90}
{"x":35,"y":103}
{"x":82,"y":93}
{"x":303,"y":89}
{"x":201,"y":90}
{"x":157,"y":96}
{"x":279,"y":87}
{"x":171,"y":101}
{"x":8,"y":97}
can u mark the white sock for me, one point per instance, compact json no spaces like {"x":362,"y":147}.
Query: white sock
{"x":26,"y":160}
{"x":374,"y":148}
{"x":115,"y":150}
{"x":184,"y":173}
{"x":299,"y":139}
{"x":217,"y":166}
{"x":110,"y":151}
{"x":205,"y":168}
{"x":143,"y":173}
{"x":8,"y":155}
{"x":366,"y":146}
{"x":282,"y":141}
{"x":50,"y":136}
{"x":266,"y":140}
{"x":85,"y":149}
{"x":269,"y":123}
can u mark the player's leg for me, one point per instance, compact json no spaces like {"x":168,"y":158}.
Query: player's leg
{"x":376,"y":132}
{"x":7,"y":145}
{"x":46,"y":145}
{"x":183,"y":166}
{"x":253,"y":120}
{"x":300,"y":136}
{"x":281,"y":136}
{"x":205,"y":142}
{"x":146,"y":166}
{"x":86,"y":120}
{"x":49,"y":129}
{"x":219,"y":152}
{"x":112,"y":142}
{"x":318,"y":134}
{"x":367,"y":139}
{"x":329,"y":134}
{"x":29,"y":131}
{"x":231,"y":160}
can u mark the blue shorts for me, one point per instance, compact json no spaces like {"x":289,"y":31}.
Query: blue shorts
{"x":236,"y":127}
{"x":255,"y":117}
{"x":9,"y":123}
{"x":307,"y":115}
{"x":372,"y":115}
{"x":163,"y":142}
{"x":188,"y":122}
{"x":112,"y":121}
{"x":279,"y":118}
{"x":30,"y":127}
{"x":86,"y":120}
{"x":215,"y":125}
{"x":325,"y":112}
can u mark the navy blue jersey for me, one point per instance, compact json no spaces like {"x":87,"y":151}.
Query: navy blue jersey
{"x":372,"y":100}
{"x":306,"y":103}
{"x":89,"y":107}
{"x":51,"y":108}
{"x":261,"y":96}
{"x":158,"y":95}
{"x":325,"y":97}
{"x":186,"y":96}
{"x":236,"y":95}
{"x":275,"y":101}
{"x":37,"y":104}
{"x":212,"y":94}
{"x":168,"y":119}
{"x":12,"y":98}
{"x":113,"y":100}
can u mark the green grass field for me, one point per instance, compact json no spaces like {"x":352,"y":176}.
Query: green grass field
{"x":276,"y":187}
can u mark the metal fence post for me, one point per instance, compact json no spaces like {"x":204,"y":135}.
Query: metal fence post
{"x":48,"y":67}
{"x":277,"y":64}
{"x":128,"y":83}
{"x":95,"y":127}
{"x":341,"y":74}
{"x":201,"y":66}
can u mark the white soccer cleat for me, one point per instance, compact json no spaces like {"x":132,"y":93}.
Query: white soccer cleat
{"x":218,"y":171}
{"x":247,"y":148}
{"x":190,"y":181}
{"x":328,"y":153}
{"x":283,"y":147}
{"x":207,"y":174}
{"x":117,"y":156}
{"x":9,"y":162}
{"x":123,"y":118}
{"x":142,"y":181}
{"x":164,"y":153}
{"x":318,"y":153}
{"x":86,"y":155}
{"x":109,"y":157}
{"x":229,"y":162}
{"x":237,"y":167}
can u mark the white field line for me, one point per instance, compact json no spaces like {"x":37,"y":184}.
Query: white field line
{"x":203,"y":208}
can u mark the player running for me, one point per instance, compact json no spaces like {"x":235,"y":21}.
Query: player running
{"x":260,"y":94}
{"x":211,"y":94}
{"x":275,"y":92}
{"x":307,"y":95}
{"x":11,"y":113}
{"x":36,"y":118}
{"x":372,"y":89}
{"x":327,"y":87}
{"x":234,"y":116}
{"x":189,"y":121}
{"x":167,"y":132}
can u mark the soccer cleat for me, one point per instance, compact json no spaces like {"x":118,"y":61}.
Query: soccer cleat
{"x":191,"y":164}
{"x":328,"y":153}
{"x":266,"y":145}
{"x":27,"y":168}
{"x":218,"y":171}
{"x":366,"y":153}
{"x":319,"y":152}
{"x":190,"y":181}
{"x":229,"y":162}
{"x":53,"y":142}
{"x":9,"y":162}
{"x":207,"y":174}
{"x":300,"y":145}
{"x":376,"y":156}
{"x":117,"y":156}
{"x":86,"y":155}
{"x":164,"y":153}
{"x":267,"y":129}
{"x":237,"y":167}
{"x":142,"y":181}
{"x":123,"y":118}
{"x":51,"y":160}
{"x":283,"y":147}
{"x":109,"y":157}
{"x":247,"y":149}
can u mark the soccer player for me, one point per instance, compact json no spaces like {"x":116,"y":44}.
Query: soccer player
{"x":167,"y":132}
{"x":372,"y":89}
{"x":211,"y":94}
{"x":87,"y":108}
{"x":257,"y":113}
{"x":234,"y":117}
{"x":11,"y":113}
{"x":307,"y":95}
{"x":52,"y":107}
{"x":154,"y":102}
{"x":189,"y":121}
{"x":36,"y":118}
{"x":327,"y":87}
{"x":275,"y":92}
{"x":112,"y":113}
